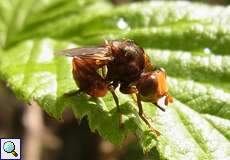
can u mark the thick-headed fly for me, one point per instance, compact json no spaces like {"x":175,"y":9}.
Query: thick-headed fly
{"x":122,"y":63}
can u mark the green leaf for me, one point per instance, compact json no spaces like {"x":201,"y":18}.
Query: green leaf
{"x":190,"y":40}
{"x":15,"y":15}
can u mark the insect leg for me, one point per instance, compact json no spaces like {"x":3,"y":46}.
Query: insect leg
{"x":141,"y":114}
{"x":111,"y":89}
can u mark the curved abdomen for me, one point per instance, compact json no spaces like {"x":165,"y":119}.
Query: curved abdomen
{"x":86,"y":76}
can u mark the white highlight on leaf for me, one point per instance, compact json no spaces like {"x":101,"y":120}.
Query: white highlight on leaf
{"x":185,"y":58}
{"x":122,"y":24}
{"x":207,"y":51}
{"x":46,"y":54}
{"x":176,"y":133}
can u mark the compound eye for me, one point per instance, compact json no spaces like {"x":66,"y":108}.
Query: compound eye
{"x":148,"y":86}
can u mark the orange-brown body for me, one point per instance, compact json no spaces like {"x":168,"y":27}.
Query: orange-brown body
{"x":127,"y":65}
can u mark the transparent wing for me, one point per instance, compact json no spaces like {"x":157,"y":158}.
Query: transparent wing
{"x":100,"y":53}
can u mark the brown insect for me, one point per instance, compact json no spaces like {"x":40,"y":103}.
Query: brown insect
{"x":122,"y":63}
